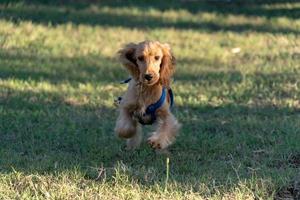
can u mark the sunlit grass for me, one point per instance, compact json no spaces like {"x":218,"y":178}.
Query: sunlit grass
{"x":236,"y":92}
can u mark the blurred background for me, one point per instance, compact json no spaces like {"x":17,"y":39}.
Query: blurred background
{"x":236,"y":92}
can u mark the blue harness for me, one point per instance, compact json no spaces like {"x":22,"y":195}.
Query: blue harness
{"x":151,"y":109}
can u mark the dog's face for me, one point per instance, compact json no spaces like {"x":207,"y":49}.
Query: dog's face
{"x":149,"y":62}
{"x":149,"y":58}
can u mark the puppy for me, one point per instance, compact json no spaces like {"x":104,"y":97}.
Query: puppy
{"x":148,"y":97}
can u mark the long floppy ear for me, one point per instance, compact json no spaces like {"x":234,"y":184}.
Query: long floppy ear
{"x":127,"y":58}
{"x":167,"y":66}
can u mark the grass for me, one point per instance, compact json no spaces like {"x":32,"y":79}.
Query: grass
{"x":240,"y":111}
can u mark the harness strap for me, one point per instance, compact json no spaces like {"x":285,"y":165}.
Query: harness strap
{"x":151,"y":109}
{"x":126,"y":81}
{"x":171,"y":97}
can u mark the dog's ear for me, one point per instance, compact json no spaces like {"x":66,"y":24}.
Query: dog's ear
{"x":128,"y":59}
{"x":167,"y":66}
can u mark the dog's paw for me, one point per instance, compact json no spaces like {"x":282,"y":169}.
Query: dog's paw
{"x":134,"y":142}
{"x":157,"y":143}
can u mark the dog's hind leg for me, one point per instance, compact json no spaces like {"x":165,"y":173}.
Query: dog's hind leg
{"x":135,"y":141}
{"x":166,"y":132}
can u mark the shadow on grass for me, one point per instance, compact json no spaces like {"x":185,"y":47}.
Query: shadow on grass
{"x":210,"y":77}
{"x":235,"y":7}
{"x":29,"y":66}
{"x":215,"y":77}
{"x":44,"y":133}
{"x":251,"y":8}
{"x":82,"y":14}
{"x":21,"y":65}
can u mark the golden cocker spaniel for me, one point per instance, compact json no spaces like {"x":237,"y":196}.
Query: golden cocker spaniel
{"x":151,"y":65}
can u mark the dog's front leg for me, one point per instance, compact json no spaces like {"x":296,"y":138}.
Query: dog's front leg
{"x":128,"y":128}
{"x":166,"y":132}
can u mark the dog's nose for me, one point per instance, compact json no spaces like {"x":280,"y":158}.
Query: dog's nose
{"x":148,"y":77}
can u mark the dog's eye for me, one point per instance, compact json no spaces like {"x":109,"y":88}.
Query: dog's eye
{"x":141,"y":58}
{"x":156,"y":57}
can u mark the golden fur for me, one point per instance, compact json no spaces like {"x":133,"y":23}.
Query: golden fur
{"x":157,"y":60}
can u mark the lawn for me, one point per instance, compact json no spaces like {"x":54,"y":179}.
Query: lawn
{"x":237,"y":95}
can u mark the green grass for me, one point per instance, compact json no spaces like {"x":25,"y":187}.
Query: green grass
{"x":240,"y":111}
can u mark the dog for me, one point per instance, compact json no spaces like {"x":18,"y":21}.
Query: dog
{"x":148,"y":98}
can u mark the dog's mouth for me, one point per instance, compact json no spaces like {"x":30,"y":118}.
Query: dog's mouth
{"x":150,"y":82}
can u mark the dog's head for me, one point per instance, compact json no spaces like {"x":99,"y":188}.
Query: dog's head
{"x":149,"y":62}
